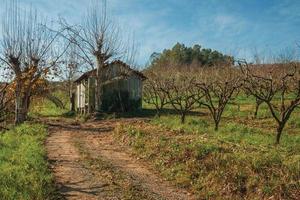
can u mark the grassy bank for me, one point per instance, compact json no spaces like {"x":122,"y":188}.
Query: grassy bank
{"x":44,"y":107}
{"x":236,"y":163}
{"x":24,"y":170}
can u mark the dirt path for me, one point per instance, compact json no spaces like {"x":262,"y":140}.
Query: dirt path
{"x":87,"y":164}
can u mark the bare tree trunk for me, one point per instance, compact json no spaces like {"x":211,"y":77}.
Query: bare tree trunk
{"x":18,"y":102}
{"x":71,"y":96}
{"x":99,"y":86}
{"x":158,"y":113}
{"x":183,"y":118}
{"x":22,"y":102}
{"x":21,"y":110}
{"x":279,"y":132}
{"x":216,"y":125}
{"x":258,"y":103}
{"x":158,"y":110}
{"x":18,"y":119}
{"x":72,"y":101}
{"x":217,"y":122}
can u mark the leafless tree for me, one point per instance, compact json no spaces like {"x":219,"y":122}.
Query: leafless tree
{"x":181,"y":91}
{"x":27,"y":51}
{"x":218,"y":85}
{"x":100,"y":42}
{"x":258,"y":102}
{"x":154,"y":91}
{"x":70,"y":66}
{"x":278,"y":85}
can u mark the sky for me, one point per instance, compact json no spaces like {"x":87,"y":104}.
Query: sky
{"x":237,"y":27}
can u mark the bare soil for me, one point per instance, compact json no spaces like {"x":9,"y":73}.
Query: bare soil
{"x":88,"y":164}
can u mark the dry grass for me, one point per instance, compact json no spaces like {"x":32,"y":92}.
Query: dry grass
{"x":240,"y":161}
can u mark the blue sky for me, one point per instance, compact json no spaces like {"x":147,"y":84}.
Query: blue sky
{"x":237,"y":27}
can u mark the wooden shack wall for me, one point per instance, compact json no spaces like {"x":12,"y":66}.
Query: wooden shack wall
{"x":91,"y":94}
{"x":86,"y":89}
{"x":128,"y":91}
{"x":80,"y":95}
{"x":133,"y":84}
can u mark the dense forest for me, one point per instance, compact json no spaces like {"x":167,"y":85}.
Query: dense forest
{"x":197,"y":55}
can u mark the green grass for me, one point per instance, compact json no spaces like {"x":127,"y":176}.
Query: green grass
{"x":230,"y":131}
{"x":236,"y":163}
{"x":240,"y":161}
{"x":46,"y":108}
{"x":24,"y":170}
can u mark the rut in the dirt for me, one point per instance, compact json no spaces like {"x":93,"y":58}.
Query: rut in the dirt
{"x":87,"y":164}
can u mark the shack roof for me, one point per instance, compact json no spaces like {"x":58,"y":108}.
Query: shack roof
{"x":117,"y":62}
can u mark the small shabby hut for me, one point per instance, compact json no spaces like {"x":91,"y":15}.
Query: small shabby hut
{"x":122,"y":89}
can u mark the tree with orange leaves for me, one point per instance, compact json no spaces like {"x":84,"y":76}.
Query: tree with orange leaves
{"x":6,"y":98}
{"x":28,"y":52}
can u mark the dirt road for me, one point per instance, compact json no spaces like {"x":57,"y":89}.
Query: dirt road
{"x":88,"y":164}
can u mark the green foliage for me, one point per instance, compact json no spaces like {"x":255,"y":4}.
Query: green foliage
{"x":45,"y":107}
{"x":24,"y":170}
{"x":181,"y":54}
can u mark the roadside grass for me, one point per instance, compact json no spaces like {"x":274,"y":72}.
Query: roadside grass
{"x":239,"y":164}
{"x":44,"y":107}
{"x":240,"y":161}
{"x":24,"y":172}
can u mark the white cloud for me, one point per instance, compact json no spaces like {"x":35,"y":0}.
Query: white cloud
{"x":234,"y":24}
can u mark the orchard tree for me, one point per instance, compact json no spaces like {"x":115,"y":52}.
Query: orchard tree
{"x":278,"y":85}
{"x":71,"y":65}
{"x":218,"y":85}
{"x":258,"y":102}
{"x":154,"y":91}
{"x":181,"y":91}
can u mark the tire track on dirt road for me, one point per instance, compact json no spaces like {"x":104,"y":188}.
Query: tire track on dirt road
{"x":88,"y":164}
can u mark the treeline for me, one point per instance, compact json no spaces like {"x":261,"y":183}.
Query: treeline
{"x":195,"y":55}
{"x":186,"y":88}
